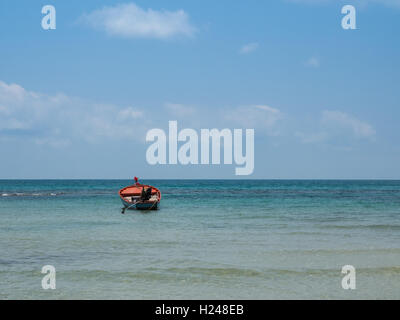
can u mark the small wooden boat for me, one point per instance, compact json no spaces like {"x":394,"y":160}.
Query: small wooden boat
{"x":140,"y":196}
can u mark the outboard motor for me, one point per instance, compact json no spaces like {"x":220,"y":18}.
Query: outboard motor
{"x":146,"y":194}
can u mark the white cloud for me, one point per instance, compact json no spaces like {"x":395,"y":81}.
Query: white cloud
{"x":53,"y":142}
{"x":58,"y":120}
{"x":260,"y":117}
{"x":129,"y":114}
{"x":130,"y":21}
{"x":248,"y":48}
{"x":268,"y":109}
{"x":336,"y":126}
{"x":345,"y":121}
{"x":313,"y":62}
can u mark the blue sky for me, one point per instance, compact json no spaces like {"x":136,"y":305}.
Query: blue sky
{"x":76,"y":102}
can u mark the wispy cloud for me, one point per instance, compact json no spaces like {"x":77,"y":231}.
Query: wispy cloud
{"x":131,"y":21}
{"x":262,"y":117}
{"x":311,"y":137}
{"x":58,"y":120}
{"x":337,"y":125}
{"x":341,"y":120}
{"x":248,"y":48}
{"x":313,"y":62}
{"x":129,"y":113}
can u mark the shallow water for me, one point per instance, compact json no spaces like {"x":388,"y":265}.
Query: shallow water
{"x":215,"y":239}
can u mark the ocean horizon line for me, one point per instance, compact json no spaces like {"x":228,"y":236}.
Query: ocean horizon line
{"x":200,"y":179}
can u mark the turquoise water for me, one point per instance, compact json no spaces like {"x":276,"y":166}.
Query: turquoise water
{"x":210,"y":240}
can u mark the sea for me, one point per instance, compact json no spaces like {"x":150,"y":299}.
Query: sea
{"x":210,"y":239}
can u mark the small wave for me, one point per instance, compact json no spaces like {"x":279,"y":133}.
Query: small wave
{"x":338,"y":251}
{"x":31,"y":194}
{"x":371,"y":226}
{"x":199,"y":272}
